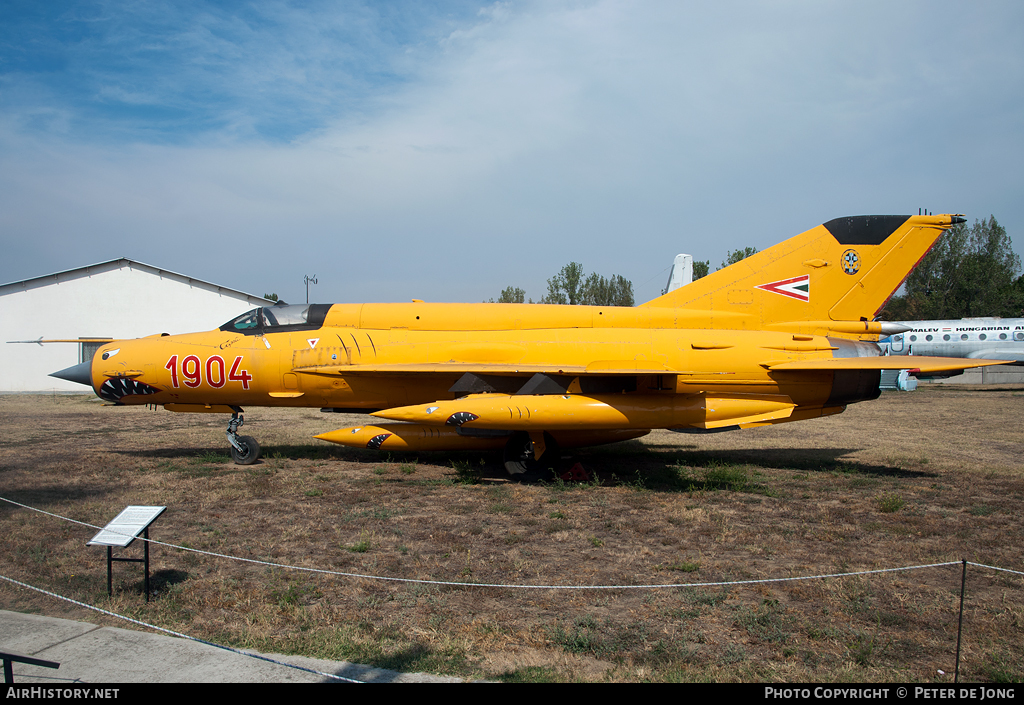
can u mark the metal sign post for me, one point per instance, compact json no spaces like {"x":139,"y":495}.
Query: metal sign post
{"x":121,"y":532}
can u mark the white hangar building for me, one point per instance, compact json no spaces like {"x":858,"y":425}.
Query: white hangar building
{"x":116,"y":299}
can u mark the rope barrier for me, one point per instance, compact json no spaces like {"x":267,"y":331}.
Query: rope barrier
{"x":451,"y":583}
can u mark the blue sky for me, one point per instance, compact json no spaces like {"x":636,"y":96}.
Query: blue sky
{"x":446,"y":150}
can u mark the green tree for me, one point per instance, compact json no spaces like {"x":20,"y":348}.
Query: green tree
{"x":701,"y":269}
{"x":736,"y":256}
{"x":272,"y":297}
{"x":566,"y":286}
{"x":598,"y":291}
{"x":511,"y":295}
{"x":971,"y":271}
{"x":570,"y":287}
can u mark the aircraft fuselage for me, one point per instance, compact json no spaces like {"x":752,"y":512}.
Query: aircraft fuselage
{"x":342,"y":364}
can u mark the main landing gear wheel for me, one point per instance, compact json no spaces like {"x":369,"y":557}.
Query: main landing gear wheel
{"x":520,"y":462}
{"x":244,"y":449}
{"x":248,"y":454}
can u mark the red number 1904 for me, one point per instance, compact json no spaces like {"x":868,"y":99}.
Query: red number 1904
{"x":190,"y":372}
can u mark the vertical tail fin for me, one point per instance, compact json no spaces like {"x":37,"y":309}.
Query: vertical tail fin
{"x":844,"y":270}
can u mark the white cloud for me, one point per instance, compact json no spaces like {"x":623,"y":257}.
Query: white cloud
{"x":612,"y":133}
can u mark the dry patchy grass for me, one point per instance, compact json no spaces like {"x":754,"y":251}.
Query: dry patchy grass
{"x":926,"y":477}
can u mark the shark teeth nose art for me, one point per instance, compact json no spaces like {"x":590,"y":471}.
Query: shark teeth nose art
{"x":116,"y":388}
{"x":376,"y":441}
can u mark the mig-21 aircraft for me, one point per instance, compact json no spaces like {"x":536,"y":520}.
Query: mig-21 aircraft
{"x":784,"y":335}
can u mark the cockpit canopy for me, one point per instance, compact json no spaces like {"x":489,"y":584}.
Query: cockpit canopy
{"x":281,"y":318}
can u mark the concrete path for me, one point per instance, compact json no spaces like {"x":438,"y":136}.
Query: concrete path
{"x":88,"y":653}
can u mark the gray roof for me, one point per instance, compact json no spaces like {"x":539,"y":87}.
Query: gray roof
{"x":89,"y":270}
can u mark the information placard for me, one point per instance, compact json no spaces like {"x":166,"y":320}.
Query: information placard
{"x":126,"y":526}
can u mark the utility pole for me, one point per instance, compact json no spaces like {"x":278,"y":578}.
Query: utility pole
{"x":309,"y":279}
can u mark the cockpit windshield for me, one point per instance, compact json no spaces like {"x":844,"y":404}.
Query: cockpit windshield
{"x":284,"y":317}
{"x":295,"y":315}
{"x":250,"y":320}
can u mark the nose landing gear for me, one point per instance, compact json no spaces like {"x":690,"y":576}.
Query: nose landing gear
{"x":244,"y":449}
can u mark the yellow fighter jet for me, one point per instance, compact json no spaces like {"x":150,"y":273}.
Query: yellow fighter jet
{"x":784,"y":335}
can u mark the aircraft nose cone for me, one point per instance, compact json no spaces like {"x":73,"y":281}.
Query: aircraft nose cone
{"x":81,"y":373}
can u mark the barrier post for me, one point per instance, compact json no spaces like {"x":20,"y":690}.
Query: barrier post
{"x":960,"y":626}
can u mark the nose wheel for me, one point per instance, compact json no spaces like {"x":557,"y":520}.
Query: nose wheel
{"x":244,"y":449}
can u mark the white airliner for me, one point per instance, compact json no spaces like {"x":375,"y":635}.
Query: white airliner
{"x":977,"y":338}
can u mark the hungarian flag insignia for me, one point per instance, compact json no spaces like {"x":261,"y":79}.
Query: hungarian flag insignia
{"x":796,"y":288}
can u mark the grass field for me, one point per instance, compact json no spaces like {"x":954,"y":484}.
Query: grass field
{"x":925,"y":477}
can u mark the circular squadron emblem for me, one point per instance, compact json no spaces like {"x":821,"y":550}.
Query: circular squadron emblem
{"x":851,"y":262}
